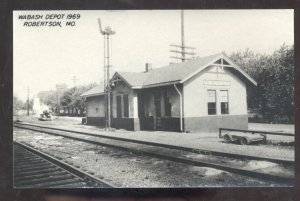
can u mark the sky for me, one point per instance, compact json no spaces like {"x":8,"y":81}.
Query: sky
{"x":46,"y":56}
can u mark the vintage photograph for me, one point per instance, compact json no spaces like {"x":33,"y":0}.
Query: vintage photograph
{"x":153,"y":98}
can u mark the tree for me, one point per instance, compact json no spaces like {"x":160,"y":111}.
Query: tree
{"x":282,"y":87}
{"x":18,"y":104}
{"x":66,"y":99}
{"x":30,"y":105}
{"x":274,"y":93}
{"x":71,"y":99}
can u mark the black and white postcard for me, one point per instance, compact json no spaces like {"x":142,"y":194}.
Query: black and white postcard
{"x":153,"y":98}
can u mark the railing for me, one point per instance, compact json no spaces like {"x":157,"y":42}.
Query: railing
{"x":254,"y":131}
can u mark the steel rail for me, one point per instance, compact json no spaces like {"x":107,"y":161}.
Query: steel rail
{"x":240,"y":171}
{"x":193,"y":150}
{"x":256,"y":131}
{"x":38,"y":173}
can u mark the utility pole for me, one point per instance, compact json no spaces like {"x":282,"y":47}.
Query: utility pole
{"x":182,"y":37}
{"x":182,"y":47}
{"x":107,"y":90}
{"x":27,"y":101}
{"x":74,"y":80}
{"x":57,"y":99}
{"x":57,"y":103}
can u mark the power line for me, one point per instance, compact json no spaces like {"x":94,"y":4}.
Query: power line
{"x":58,"y":89}
{"x":182,"y":36}
{"x":182,"y":48}
{"x":74,"y":80}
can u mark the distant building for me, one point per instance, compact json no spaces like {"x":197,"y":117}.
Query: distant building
{"x":199,"y":95}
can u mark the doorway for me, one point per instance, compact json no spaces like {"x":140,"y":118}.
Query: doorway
{"x":157,"y":109}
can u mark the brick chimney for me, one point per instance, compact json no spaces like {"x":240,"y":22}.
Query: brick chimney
{"x":148,"y":67}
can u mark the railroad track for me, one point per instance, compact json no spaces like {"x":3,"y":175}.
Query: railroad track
{"x":34,"y":169}
{"x":193,"y":150}
{"x":168,"y":152}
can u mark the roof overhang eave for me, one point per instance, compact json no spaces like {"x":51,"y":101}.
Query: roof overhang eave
{"x":161,"y":84}
{"x":91,"y":95}
{"x":137,"y":87}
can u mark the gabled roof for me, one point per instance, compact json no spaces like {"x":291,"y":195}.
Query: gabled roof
{"x":179,"y":72}
{"x":96,"y":91}
{"x":229,"y":64}
{"x":174,"y":73}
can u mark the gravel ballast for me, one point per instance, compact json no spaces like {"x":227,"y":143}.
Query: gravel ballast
{"x":125,"y":169}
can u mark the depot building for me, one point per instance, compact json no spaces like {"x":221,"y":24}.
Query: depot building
{"x":199,"y":95}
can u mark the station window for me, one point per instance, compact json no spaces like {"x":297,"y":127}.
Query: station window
{"x":126,"y":106}
{"x":224,"y":101}
{"x":119,"y":107}
{"x":167,"y":105}
{"x":211,"y":102}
